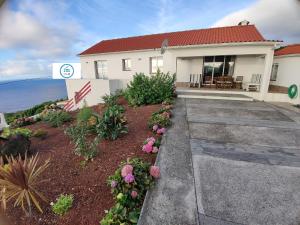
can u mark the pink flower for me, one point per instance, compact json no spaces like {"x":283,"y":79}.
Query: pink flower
{"x":127,"y":169}
{"x":154,"y":171}
{"x":113,"y":184}
{"x":129,"y":178}
{"x":151,"y":143}
{"x":155,"y":149}
{"x":166,"y":114}
{"x":134,"y":194}
{"x":150,"y":139}
{"x":147,"y":148}
{"x":155,"y":127}
{"x":161,"y":131}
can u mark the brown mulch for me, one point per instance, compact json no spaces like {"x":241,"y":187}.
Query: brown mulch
{"x":88,"y":184}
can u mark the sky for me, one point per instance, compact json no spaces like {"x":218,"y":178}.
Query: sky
{"x":36,"y":33}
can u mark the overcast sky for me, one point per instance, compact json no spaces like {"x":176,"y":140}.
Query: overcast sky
{"x":36,"y":33}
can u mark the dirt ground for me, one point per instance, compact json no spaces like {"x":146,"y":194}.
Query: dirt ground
{"x":88,"y":184}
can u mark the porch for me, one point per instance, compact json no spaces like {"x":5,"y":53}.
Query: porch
{"x":225,"y":72}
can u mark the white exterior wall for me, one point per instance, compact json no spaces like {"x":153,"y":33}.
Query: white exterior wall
{"x":251,"y":58}
{"x":247,"y":65}
{"x":187,"y":66}
{"x":288,"y":70}
{"x":140,"y":61}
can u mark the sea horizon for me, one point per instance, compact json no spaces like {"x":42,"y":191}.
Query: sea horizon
{"x":21,"y":94}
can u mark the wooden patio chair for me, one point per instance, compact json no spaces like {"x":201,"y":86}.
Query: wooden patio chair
{"x":238,"y":83}
{"x":228,"y":82}
{"x":207,"y":81}
{"x":220,"y":82}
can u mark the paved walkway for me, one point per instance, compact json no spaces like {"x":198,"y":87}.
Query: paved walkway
{"x":227,"y":163}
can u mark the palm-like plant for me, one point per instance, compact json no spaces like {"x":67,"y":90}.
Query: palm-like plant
{"x":18,"y":179}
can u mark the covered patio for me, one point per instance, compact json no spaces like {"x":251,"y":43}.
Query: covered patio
{"x":238,"y":73}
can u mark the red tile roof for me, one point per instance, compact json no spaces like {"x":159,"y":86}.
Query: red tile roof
{"x":288,"y":50}
{"x":247,"y":33}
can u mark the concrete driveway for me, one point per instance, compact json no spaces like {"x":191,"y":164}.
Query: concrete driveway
{"x":228,"y":162}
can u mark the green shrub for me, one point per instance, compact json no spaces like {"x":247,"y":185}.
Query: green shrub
{"x":112,"y":124}
{"x":119,"y":215}
{"x":62,"y":204}
{"x":153,"y":89}
{"x":83,"y":145}
{"x":127,"y":208}
{"x":110,"y":100}
{"x":40,"y":133}
{"x":160,"y":120}
{"x":8,"y":132}
{"x":10,"y":117}
{"x":15,"y":145}
{"x":57,"y":118}
{"x":84,"y":114}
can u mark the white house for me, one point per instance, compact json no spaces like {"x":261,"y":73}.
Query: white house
{"x":286,"y":68}
{"x":235,"y":59}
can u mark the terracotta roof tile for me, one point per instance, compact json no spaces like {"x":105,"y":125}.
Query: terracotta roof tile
{"x":247,"y":33}
{"x":288,"y":50}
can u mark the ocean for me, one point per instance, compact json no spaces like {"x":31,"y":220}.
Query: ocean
{"x":23,"y":94}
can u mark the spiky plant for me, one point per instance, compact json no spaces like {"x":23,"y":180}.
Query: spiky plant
{"x":18,"y":180}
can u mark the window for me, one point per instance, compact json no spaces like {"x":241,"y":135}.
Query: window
{"x":126,"y":64}
{"x":274,"y":72}
{"x":101,"y":69}
{"x":156,"y":63}
{"x":216,"y":66}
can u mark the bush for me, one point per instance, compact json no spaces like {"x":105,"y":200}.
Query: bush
{"x":14,"y":146}
{"x":84,"y":114}
{"x":62,"y":204}
{"x":57,"y":118}
{"x":10,"y":117}
{"x":24,"y":121}
{"x":112,"y":124}
{"x":151,"y":145}
{"x":129,"y":186}
{"x":40,"y":133}
{"x":160,"y":120}
{"x":154,"y":89}
{"x":8,"y":132}
{"x":110,"y":100}
{"x":83,"y":146}
{"x":18,"y":180}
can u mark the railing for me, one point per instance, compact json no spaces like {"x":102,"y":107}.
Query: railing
{"x":78,"y":97}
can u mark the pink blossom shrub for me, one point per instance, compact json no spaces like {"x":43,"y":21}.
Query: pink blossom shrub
{"x":127,"y":169}
{"x":151,"y":145}
{"x":154,"y":171}
{"x":129,"y":178}
{"x":134,"y":194}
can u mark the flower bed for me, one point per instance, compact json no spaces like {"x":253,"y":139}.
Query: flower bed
{"x":66,"y":175}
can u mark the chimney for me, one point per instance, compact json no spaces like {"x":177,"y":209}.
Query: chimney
{"x":244,"y":23}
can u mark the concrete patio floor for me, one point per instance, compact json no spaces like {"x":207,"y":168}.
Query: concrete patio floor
{"x":227,"y":163}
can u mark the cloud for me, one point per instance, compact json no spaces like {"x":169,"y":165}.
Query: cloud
{"x":31,"y":28}
{"x":38,"y":32}
{"x":17,"y":67}
{"x":276,"y":19}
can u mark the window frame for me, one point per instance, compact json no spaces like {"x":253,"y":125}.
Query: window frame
{"x":124,"y":68}
{"x":274,"y":76}
{"x":156,"y":58}
{"x":103,"y":74}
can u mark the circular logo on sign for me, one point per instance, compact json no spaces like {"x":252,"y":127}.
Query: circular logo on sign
{"x":66,"y":70}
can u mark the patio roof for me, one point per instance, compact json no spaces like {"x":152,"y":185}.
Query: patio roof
{"x":218,"y":35}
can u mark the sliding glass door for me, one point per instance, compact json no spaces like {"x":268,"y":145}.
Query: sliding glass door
{"x":216,"y":66}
